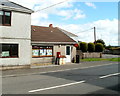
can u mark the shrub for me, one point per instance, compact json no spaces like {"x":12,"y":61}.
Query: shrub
{"x":101,"y":41}
{"x":91,"y":47}
{"x":83,"y":46}
{"x":98,"y":47}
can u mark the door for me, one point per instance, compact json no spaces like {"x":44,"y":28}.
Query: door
{"x":68,"y":54}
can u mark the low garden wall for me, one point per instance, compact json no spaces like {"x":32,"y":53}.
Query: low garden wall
{"x":92,"y":55}
{"x":89,"y":54}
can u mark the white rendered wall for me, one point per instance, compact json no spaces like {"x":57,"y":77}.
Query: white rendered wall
{"x":19,"y":33}
{"x":24,"y":53}
{"x":62,"y":49}
{"x":20,"y":26}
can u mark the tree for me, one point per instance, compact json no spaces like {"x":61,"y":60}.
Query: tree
{"x":83,"y":46}
{"x":91,"y":47}
{"x":108,"y":47}
{"x":101,"y":41}
{"x":99,"y":47}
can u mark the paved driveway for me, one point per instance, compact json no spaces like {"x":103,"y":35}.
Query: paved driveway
{"x":110,"y":56}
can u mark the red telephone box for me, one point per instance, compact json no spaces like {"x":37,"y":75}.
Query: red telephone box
{"x":58,"y":54}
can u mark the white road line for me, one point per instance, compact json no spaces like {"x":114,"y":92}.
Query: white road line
{"x":109,"y":75}
{"x":64,"y":85}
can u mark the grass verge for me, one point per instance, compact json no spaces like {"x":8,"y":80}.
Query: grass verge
{"x":101,"y":59}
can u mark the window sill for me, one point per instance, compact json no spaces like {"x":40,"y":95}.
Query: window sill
{"x":9,"y":57}
{"x":5,"y":25}
{"x":41,"y":56}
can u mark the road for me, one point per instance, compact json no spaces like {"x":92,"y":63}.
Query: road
{"x":93,"y":80}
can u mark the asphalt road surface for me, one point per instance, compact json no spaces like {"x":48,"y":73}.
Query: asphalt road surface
{"x":93,"y":80}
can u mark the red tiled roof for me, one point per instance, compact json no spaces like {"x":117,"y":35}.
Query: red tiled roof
{"x":49,"y":34}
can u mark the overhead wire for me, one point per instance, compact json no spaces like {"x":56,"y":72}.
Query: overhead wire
{"x":84,"y":31}
{"x":51,"y":6}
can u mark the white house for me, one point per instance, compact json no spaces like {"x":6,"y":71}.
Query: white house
{"x":15,"y":34}
{"x":23,"y":45}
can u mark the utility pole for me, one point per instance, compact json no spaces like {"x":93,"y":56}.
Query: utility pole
{"x":95,"y":34}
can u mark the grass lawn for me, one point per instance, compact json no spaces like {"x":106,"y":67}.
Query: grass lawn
{"x":101,"y":59}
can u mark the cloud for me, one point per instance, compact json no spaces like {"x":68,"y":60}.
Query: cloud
{"x":40,"y":4}
{"x":79,"y":14}
{"x":105,"y":29}
{"x":91,"y":5}
{"x":59,"y":9}
{"x":71,"y":14}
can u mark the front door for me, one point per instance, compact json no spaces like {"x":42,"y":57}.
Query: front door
{"x":68,"y":54}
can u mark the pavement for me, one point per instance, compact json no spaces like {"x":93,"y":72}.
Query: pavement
{"x":54,"y":68}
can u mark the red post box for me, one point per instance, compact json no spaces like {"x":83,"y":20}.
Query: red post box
{"x":58,"y":54}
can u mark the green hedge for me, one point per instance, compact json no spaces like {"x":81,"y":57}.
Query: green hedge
{"x":83,"y":46}
{"x":99,"y":47}
{"x":91,"y":47}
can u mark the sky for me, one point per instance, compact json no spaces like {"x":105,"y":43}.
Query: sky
{"x":78,"y":17}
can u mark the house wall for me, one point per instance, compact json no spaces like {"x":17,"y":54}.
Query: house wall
{"x":59,"y":48}
{"x":19,"y":33}
{"x":42,"y":60}
{"x":73,"y":52}
{"x":62,"y":49}
{"x":20,"y":26}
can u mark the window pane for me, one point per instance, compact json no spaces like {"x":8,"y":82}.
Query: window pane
{"x":1,"y":12}
{"x":43,"y":52}
{"x":7,"y":18}
{"x":14,"y":50}
{"x":5,"y":50}
{"x":0,"y":50}
{"x":35,"y":52}
{"x":49,"y":52}
{"x":1,"y":17}
{"x":5,"y":47}
{"x":7,"y":13}
{"x":68,"y":50}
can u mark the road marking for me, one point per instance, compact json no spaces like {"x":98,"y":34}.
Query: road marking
{"x":109,"y":75}
{"x":59,"y":86}
{"x":56,"y":70}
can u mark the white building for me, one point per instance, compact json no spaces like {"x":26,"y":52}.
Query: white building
{"x":15,"y":34}
{"x":20,"y":48}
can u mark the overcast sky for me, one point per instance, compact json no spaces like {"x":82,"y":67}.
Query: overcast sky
{"x":78,"y":17}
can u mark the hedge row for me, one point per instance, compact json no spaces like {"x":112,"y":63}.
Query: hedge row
{"x":90,"y":47}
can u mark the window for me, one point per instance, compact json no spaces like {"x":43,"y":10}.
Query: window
{"x":9,"y":50}
{"x":5,"y":18}
{"x":67,"y":50}
{"x":42,"y":51}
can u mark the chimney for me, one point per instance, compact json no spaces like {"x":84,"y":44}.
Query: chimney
{"x":51,"y":25}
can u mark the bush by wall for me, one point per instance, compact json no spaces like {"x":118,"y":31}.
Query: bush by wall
{"x":83,"y":46}
{"x":91,"y":47}
{"x":99,"y":47}
{"x":101,"y":41}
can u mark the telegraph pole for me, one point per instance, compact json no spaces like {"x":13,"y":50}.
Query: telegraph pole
{"x":95,"y":34}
